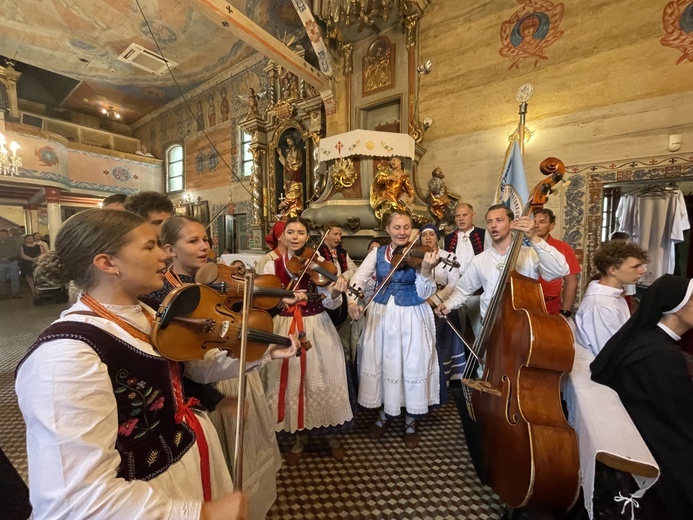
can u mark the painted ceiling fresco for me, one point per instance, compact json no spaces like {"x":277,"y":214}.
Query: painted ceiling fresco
{"x":82,"y":39}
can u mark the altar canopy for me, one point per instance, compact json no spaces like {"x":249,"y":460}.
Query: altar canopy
{"x":366,"y":142}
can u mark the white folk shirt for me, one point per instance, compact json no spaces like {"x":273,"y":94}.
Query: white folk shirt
{"x":66,"y":397}
{"x":464,"y":250}
{"x":602,"y":312}
{"x":485,"y":269}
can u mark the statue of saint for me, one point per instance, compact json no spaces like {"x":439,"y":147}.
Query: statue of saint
{"x":292,"y":162}
{"x":439,"y":199}
{"x":391,"y":190}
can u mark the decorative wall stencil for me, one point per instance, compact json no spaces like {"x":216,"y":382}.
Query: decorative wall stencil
{"x":121,"y":174}
{"x":379,"y":66}
{"x":206,"y":167}
{"x":530,"y":31}
{"x":47,"y":156}
{"x":677,"y":20}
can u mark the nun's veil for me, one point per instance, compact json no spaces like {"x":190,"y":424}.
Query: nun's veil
{"x":668,"y":294}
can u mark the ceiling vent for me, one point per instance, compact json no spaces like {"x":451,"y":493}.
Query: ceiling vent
{"x":146,"y":60}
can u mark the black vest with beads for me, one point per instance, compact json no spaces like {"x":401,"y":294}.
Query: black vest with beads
{"x":149,"y":440}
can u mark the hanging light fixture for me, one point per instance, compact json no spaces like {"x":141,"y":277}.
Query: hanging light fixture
{"x":111,"y":113}
{"x":9,"y":160}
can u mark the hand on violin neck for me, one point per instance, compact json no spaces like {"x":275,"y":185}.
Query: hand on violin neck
{"x":430,"y":260}
{"x":338,"y":287}
{"x":298,"y":297}
{"x":281,"y":352}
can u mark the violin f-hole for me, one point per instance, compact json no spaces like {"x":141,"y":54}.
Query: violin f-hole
{"x":507,"y":396}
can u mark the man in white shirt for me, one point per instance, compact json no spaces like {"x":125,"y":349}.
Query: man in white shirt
{"x":603,"y":309}
{"x":485,"y":269}
{"x":466,"y":241}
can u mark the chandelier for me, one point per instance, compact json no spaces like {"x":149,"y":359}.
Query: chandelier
{"x":111,"y":113}
{"x":9,"y":161}
{"x":365,"y":12}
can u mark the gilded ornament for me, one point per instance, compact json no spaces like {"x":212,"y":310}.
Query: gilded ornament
{"x":343,"y":173}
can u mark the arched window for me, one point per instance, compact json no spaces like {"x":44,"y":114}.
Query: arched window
{"x":174,"y":168}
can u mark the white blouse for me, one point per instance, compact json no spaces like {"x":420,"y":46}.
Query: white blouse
{"x":67,"y":400}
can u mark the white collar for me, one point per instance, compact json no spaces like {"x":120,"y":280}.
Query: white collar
{"x":670,"y":332}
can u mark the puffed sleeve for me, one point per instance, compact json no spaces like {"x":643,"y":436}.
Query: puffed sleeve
{"x":67,"y":401}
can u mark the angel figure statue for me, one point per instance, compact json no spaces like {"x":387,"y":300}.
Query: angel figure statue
{"x":252,"y":99}
{"x":391,"y":190}
{"x":440,"y":200}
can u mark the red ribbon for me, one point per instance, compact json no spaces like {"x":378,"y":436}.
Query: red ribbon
{"x":184,"y":411}
{"x":296,"y":324}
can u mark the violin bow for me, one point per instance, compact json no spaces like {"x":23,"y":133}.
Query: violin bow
{"x":393,"y":268}
{"x":305,"y":268}
{"x":240,"y":415}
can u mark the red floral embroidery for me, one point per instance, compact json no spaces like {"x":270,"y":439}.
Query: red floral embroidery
{"x":128,"y":426}
{"x":158,"y":404}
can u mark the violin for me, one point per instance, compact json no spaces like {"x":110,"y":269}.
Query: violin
{"x":194,"y":318}
{"x":321,"y":272}
{"x":267,"y":288}
{"x":415,"y":255}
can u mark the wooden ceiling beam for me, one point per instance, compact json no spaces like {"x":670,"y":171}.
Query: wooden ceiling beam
{"x":256,"y":37}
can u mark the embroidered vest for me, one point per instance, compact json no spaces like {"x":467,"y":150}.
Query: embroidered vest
{"x":476,"y":237}
{"x":341,"y":256}
{"x":402,"y":285}
{"x":312,"y":307}
{"x":149,"y":440}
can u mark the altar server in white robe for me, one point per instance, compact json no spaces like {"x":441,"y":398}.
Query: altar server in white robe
{"x":604,"y":309}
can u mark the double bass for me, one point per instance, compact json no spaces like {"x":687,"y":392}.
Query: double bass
{"x":529,"y":451}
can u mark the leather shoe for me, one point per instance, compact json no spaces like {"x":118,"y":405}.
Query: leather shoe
{"x":293,"y":458}
{"x":376,"y":431}
{"x":411,"y":440}
{"x":338,"y":453}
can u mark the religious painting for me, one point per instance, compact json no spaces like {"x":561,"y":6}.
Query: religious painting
{"x":201,"y":211}
{"x":378,"y":66}
{"x":530,"y":31}
{"x":677,"y":19}
{"x":290,"y":177}
{"x":182,"y":210}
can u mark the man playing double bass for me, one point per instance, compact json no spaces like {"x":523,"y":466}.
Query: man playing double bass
{"x":485,"y":268}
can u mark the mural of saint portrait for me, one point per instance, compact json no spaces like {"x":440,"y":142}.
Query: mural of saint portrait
{"x":224,"y":105}
{"x":530,"y":31}
{"x":677,"y":20}
{"x":211,"y":111}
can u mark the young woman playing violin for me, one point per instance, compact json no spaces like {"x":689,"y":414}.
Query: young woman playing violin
{"x":398,"y":365}
{"x":186,"y":241}
{"x":450,"y":349}
{"x":108,"y":432}
{"x":308,"y":392}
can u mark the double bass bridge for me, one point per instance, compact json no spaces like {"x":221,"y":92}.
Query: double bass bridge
{"x":482,"y":386}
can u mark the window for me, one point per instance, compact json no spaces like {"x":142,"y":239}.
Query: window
{"x":174,"y":168}
{"x":609,"y":205}
{"x":246,"y":156}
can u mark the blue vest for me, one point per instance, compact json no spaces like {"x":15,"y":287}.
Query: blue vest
{"x":402,"y":284}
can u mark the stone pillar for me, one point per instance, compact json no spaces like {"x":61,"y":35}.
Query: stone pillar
{"x":55,"y":219}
